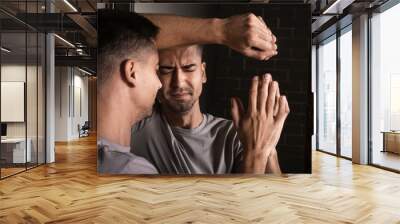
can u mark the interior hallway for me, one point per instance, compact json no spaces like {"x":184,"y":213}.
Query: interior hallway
{"x":70,"y":191}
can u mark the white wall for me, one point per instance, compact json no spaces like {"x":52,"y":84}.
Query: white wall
{"x":79,"y":117}
{"x":71,"y":93}
{"x":61,"y":103}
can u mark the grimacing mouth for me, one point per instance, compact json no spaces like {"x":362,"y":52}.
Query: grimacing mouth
{"x":180,"y":92}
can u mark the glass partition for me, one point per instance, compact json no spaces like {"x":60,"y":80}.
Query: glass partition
{"x":22,"y":90}
{"x":14,"y":154}
{"x":326,"y":101}
{"x":346,"y":93}
{"x":41,"y":91}
{"x":385,"y":89}
{"x":31,"y":100}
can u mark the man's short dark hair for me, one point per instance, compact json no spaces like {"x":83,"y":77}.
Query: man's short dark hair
{"x":121,"y":35}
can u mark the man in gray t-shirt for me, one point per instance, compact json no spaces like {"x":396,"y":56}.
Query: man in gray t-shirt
{"x":212,"y":147}
{"x":178,"y":138}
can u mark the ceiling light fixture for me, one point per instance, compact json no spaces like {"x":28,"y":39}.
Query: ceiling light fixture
{"x":64,"y":40}
{"x":5,"y":50}
{"x":70,"y":5}
{"x":337,"y":7}
{"x":329,"y":9}
{"x":84,"y":71}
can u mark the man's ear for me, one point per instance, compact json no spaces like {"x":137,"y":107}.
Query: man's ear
{"x":129,"y":70}
{"x":203,"y":71}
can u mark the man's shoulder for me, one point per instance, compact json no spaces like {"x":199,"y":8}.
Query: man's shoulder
{"x":115,"y":159}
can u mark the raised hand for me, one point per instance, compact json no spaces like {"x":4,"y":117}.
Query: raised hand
{"x":259,"y":128}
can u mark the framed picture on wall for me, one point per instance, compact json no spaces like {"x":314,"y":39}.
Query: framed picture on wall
{"x":227,"y":90}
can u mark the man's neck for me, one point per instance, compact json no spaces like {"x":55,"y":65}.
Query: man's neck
{"x":114,"y":123}
{"x":190,"y":119}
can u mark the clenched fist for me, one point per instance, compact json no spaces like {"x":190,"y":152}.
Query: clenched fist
{"x":249,"y":35}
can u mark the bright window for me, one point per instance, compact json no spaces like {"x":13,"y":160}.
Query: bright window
{"x":327,"y":96}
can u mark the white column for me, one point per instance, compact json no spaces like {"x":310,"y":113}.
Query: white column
{"x":360,"y":90}
{"x":50,"y":92}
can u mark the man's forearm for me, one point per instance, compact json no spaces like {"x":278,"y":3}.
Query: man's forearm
{"x":246,"y":33}
{"x":178,"y":30}
{"x":273,"y":164}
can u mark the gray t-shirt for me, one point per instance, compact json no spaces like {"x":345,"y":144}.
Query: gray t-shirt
{"x":211,"y":148}
{"x":117,"y":159}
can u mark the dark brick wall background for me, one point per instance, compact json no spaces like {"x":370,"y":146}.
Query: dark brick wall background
{"x":229,"y":73}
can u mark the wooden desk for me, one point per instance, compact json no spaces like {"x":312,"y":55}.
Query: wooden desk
{"x":13,"y":150}
{"x":391,"y":141}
